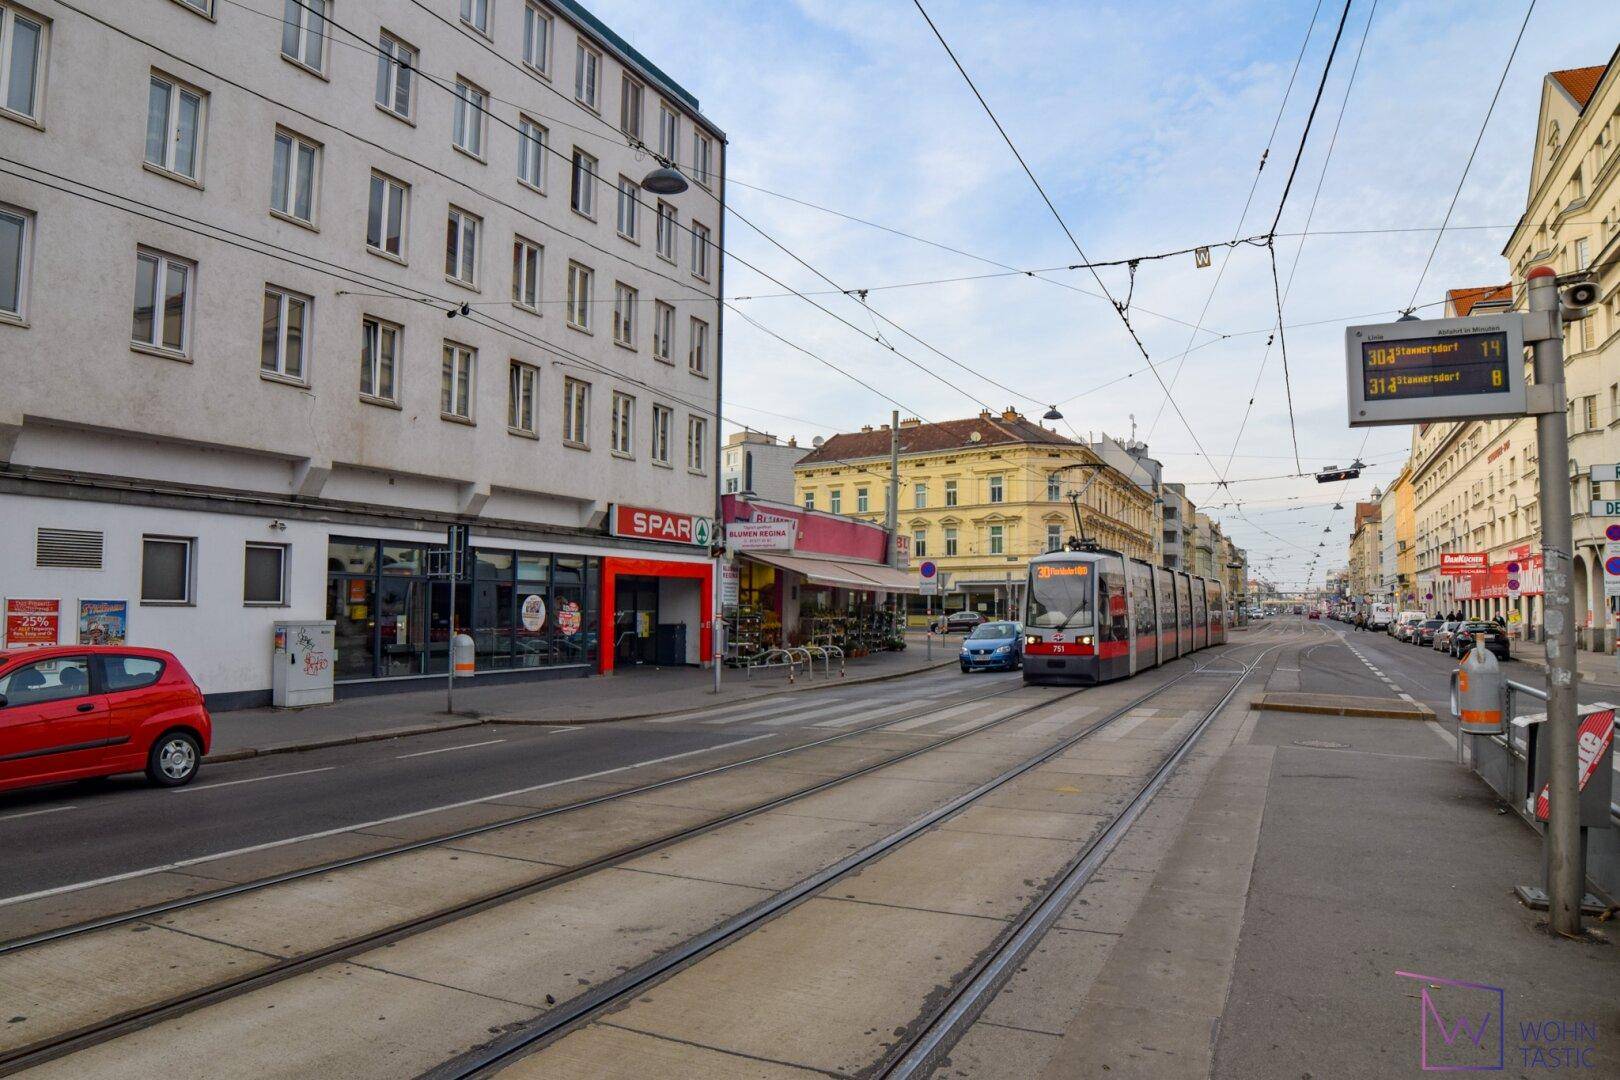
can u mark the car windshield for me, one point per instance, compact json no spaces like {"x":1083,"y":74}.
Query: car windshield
{"x":994,"y":630}
{"x":1060,"y":595}
{"x":1432,"y":624}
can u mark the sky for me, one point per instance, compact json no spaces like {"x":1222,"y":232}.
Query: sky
{"x":1145,"y":122}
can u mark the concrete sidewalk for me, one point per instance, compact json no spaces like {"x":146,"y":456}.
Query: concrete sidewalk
{"x":628,"y":694}
{"x":1596,"y":669}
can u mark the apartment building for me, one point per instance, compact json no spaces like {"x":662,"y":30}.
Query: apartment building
{"x":283,"y":299}
{"x":1178,"y":528}
{"x":979,"y":497}
{"x":1396,"y":530}
{"x":754,"y":463}
{"x":1366,"y":563}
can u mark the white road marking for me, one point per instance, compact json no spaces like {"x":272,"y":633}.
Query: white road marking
{"x":36,"y":813}
{"x":855,"y":718}
{"x":251,"y":780}
{"x":181,"y":864}
{"x":447,"y":749}
{"x":1448,"y":737}
{"x":1410,"y":698}
{"x":943,"y":714}
{"x":979,"y":721}
{"x":1120,"y":728}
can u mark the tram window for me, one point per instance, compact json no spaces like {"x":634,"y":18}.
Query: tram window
{"x":1111,"y":594}
{"x":1061,"y":596}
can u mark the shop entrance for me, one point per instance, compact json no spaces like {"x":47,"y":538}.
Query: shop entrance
{"x":635,"y":620}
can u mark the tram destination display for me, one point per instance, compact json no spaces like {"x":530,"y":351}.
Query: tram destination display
{"x":1435,"y":369}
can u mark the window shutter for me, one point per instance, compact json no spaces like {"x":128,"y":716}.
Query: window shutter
{"x":78,"y":549}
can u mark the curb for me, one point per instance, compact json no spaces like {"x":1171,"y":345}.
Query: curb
{"x":1393,"y":711}
{"x":480,"y":720}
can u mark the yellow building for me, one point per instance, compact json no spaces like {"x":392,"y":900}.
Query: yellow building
{"x":979,"y":497}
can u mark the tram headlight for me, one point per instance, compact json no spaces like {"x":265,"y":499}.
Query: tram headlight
{"x":1030,"y":640}
{"x":1086,"y":640}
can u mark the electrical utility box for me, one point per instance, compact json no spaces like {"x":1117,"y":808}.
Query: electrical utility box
{"x":302,"y":664}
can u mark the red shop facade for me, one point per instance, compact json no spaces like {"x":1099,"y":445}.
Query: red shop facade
{"x":658,"y":610}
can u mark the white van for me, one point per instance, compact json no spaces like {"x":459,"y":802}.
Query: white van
{"x":1380,"y":616}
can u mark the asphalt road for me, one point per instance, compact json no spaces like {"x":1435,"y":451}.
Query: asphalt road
{"x":70,"y":834}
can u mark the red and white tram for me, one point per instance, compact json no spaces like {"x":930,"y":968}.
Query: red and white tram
{"x":1094,"y":615}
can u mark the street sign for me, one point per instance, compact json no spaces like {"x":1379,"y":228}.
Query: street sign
{"x":1611,"y":564}
{"x":928,"y":569}
{"x":1602,"y":474}
{"x":1435,"y":369}
{"x":1515,"y":578}
{"x":1606,"y":507}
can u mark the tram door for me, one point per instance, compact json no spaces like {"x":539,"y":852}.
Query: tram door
{"x":1165,"y":601}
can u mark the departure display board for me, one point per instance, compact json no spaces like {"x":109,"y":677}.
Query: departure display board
{"x":1423,"y":370}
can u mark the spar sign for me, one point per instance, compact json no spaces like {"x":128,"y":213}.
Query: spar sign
{"x":664,"y":526}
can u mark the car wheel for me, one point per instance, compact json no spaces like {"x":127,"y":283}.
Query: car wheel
{"x":174,"y":759}
{"x":964,"y":669}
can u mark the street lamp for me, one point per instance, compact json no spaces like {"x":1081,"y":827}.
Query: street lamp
{"x":1052,"y":413}
{"x":664,"y":180}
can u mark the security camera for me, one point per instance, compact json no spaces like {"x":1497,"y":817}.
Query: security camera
{"x":1581,"y":294}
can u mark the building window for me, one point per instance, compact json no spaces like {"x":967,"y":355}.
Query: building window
{"x":162,"y":302}
{"x":669,"y":132}
{"x":523,"y":381}
{"x":919,"y":543}
{"x":919,"y":495}
{"x":579,"y":296}
{"x":166,"y":569}
{"x":537,"y":38}
{"x":385,"y":219}
{"x":531,"y":168}
{"x":576,"y":412}
{"x":630,"y":108}
{"x":264,"y":575}
{"x":629,"y":205}
{"x":809,"y":500}
{"x":13,"y":260}
{"x":862,"y":500}
{"x":950,"y":493}
{"x":174,"y":127}
{"x":622,"y":438}
{"x":1589,"y":405}
{"x":526,"y":264}
{"x":950,"y":540}
{"x":468,"y":132}
{"x":582,"y":189}
{"x":396,"y":62}
{"x":835,"y":500}
{"x":379,"y":358}
{"x":587,"y":71}
{"x":702,"y":155}
{"x":696,"y":434}
{"x":293,"y":176}
{"x":22,"y":48}
{"x":1054,"y":537}
{"x":475,"y":13}
{"x":996,"y":538}
{"x":664,"y":331}
{"x":666,"y":231}
{"x":697,"y":353}
{"x":663,"y":424}
{"x":996,"y":490}
{"x":700,"y":251}
{"x":1589,"y":330}
{"x":1583,"y":257}
{"x":461,"y":248}
{"x":286,"y":330}
{"x":456,"y":381}
{"x":1054,"y":488}
{"x":303,"y":32}
{"x":624,"y":314}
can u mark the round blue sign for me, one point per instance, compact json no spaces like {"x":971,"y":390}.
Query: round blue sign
{"x":1613,"y":566}
{"x":1612,"y":532}
{"x":928,"y":569}
{"x":1513,"y":584}
{"x":1513,"y":568}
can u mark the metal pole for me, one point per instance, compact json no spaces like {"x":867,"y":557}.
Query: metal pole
{"x":718,"y":642}
{"x":450,"y":642}
{"x":1565,"y":887}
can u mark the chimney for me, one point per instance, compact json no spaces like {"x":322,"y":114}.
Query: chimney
{"x":866,"y":429}
{"x":793,"y":440}
{"x":1010,"y":414}
{"x":910,"y":422}
{"x":984,"y":414}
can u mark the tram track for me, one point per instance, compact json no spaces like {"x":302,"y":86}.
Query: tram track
{"x":25,"y":1056}
{"x":939,"y":1030}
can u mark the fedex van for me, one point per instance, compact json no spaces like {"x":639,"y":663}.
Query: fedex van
{"x":1380,"y":616}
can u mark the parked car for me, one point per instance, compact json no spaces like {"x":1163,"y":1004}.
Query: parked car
{"x":1315,"y":615}
{"x":1474,"y":633}
{"x":1442,"y":636}
{"x":1423,"y":633}
{"x":994,"y":646}
{"x":1404,"y":624}
{"x":958,"y":622}
{"x":68,"y":712}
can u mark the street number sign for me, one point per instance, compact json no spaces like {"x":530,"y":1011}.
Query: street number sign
{"x":1424,"y":370}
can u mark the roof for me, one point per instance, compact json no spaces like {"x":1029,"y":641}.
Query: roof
{"x":1580,"y":83}
{"x":1462,"y":301}
{"x":945,"y":435}
{"x":1367,"y":511}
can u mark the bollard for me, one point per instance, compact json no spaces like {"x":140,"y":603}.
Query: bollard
{"x":1476,"y":697}
{"x":461,"y":655}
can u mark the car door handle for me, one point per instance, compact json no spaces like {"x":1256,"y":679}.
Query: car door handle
{"x":86,"y":707}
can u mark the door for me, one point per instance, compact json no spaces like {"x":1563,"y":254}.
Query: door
{"x":51,"y":724}
{"x":402,"y":626}
{"x":635,"y":620}
{"x":134,"y":690}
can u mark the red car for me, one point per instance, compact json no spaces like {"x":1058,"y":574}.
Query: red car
{"x":73,"y":711}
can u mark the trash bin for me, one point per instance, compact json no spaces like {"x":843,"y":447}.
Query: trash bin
{"x":669,"y":646}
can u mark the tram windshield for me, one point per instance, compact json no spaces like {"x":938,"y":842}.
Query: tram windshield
{"x":1060,"y":595}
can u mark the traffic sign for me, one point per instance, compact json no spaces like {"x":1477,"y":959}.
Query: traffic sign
{"x":1515,"y":578}
{"x":1604,"y":473}
{"x":927,"y":569}
{"x":1606,"y":507}
{"x":1612,"y":532}
{"x":1435,"y":369}
{"x":1611,"y":563}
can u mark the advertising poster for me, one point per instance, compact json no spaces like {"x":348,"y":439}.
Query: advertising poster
{"x":534,"y":613}
{"x":33,"y":622}
{"x":103,"y":622}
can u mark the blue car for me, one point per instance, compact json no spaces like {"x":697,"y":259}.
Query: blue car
{"x":994,"y":646}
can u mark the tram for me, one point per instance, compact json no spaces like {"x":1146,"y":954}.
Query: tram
{"x":1092,"y":615}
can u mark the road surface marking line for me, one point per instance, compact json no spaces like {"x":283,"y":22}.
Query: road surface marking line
{"x":269,"y":844}
{"x":855,"y":718}
{"x":447,"y":749}
{"x":251,"y":780}
{"x":1410,"y":698}
{"x":1119,"y":728}
{"x":977,"y":721}
{"x":36,"y":813}
{"x":1448,"y":737}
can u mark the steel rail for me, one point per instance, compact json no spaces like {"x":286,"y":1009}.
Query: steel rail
{"x":568,"y":1015}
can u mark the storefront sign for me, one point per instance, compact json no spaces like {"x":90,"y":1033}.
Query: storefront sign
{"x":103,"y":622}
{"x":664,"y":526}
{"x":534,"y":613}
{"x":762,"y":535}
{"x":1520,"y":577}
{"x":33,"y":622}
{"x":1465,"y":564}
{"x":730,"y":584}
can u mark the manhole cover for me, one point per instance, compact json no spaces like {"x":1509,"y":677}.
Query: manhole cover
{"x":1322,"y":744}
